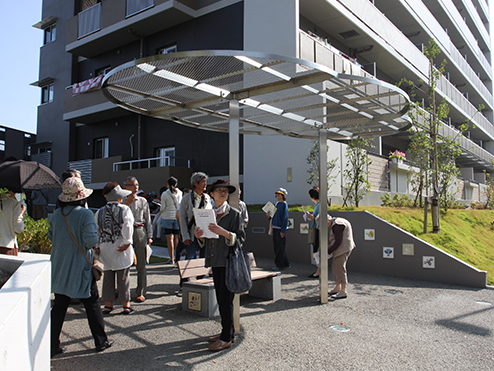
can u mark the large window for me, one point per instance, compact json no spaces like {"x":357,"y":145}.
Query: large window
{"x":47,"y":93}
{"x":50,"y":34}
{"x":102,"y":147}
{"x":167,"y":156}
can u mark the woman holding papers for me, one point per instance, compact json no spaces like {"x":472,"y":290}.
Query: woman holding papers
{"x":280,"y":225}
{"x":230,"y":233}
{"x":314,"y":196}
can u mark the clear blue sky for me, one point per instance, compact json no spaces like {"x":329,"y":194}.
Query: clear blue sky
{"x":19,"y":64}
{"x":20,"y":44}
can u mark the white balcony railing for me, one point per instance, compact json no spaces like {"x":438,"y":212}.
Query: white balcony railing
{"x":151,"y":162}
{"x":136,"y":6}
{"x":90,"y":20}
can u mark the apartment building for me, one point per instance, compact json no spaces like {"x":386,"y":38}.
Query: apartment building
{"x":15,"y":143}
{"x":84,"y":39}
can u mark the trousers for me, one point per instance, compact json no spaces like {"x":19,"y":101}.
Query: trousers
{"x":225,"y":303}
{"x":93,"y":314}
{"x":140,"y":242}
{"x":280,"y":259}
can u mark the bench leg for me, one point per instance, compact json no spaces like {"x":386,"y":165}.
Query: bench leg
{"x":266,"y":288}
{"x":199,"y":300}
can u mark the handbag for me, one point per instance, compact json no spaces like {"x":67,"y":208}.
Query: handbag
{"x":311,"y":237}
{"x":96,"y":265}
{"x":238,"y":277}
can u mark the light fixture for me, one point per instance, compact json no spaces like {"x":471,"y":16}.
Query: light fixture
{"x":146,"y":67}
{"x":276,"y":73}
{"x":172,"y":76}
{"x":212,"y":89}
{"x":249,"y":61}
{"x":270,"y":109}
{"x":293,"y":116}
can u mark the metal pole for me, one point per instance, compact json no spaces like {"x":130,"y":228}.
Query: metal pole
{"x":323,"y":215}
{"x":234,"y":169}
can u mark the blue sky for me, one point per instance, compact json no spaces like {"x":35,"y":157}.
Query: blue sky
{"x":20,"y":43}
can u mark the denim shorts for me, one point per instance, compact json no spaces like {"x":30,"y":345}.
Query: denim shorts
{"x":170,"y":226}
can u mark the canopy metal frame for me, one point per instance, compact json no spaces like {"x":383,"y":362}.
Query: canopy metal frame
{"x":239,"y":92}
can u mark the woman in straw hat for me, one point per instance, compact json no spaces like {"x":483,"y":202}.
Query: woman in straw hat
{"x":73,"y":234}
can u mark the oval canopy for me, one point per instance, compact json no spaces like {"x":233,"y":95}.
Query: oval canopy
{"x":276,"y":94}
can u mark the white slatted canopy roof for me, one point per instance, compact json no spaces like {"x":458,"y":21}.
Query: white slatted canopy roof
{"x":276,"y":95}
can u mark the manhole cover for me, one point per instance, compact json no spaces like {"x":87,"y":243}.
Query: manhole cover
{"x":340,"y":328}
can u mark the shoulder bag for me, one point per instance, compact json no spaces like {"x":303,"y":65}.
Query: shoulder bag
{"x":238,"y":277}
{"x":96,"y":265}
{"x":311,"y":237}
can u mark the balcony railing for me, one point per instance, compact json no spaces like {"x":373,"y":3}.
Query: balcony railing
{"x":90,"y":20}
{"x":136,"y":6}
{"x":151,"y":162}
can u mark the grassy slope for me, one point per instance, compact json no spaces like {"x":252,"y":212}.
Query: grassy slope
{"x":466,"y":234}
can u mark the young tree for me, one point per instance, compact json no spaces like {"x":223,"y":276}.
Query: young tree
{"x":313,"y":170}
{"x":356,"y":172}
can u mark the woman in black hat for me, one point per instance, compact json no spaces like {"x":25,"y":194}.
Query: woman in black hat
{"x":231,"y":233}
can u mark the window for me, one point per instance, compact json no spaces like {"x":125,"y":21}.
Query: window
{"x":50,"y":34}
{"x":102,"y":71}
{"x":101,"y":147}
{"x":2,"y":145}
{"x":168,"y":49}
{"x":47,"y":93}
{"x":43,"y":150}
{"x":166,"y":155}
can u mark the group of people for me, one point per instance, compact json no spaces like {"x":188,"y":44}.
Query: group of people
{"x":117,"y":234}
{"x":120,"y":232}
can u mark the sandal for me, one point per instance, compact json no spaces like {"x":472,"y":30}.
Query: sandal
{"x":127,"y":310}
{"x":107,"y":310}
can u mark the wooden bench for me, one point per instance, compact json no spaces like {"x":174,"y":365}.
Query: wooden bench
{"x":199,"y":297}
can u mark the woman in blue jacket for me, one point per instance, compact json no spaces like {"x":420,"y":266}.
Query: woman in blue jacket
{"x":280,"y":224}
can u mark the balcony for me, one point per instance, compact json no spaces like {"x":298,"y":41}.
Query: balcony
{"x":106,"y":25}
{"x":152,"y":173}
{"x":89,"y":107}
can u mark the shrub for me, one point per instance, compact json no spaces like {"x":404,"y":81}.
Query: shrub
{"x":34,"y":238}
{"x":396,"y":201}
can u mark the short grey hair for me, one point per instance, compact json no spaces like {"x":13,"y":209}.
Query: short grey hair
{"x":197,"y":177}
{"x":130,"y":179}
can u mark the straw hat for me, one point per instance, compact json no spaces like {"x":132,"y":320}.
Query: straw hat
{"x":73,"y":190}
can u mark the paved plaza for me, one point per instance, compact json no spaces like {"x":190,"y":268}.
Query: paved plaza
{"x":393,"y":324}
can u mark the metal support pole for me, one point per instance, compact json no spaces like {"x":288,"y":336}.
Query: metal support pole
{"x":323,"y":215}
{"x":234,"y":168}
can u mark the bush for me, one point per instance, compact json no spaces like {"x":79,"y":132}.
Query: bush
{"x":34,"y":238}
{"x":396,"y":201}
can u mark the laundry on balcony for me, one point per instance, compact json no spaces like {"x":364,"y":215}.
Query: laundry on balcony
{"x":87,"y":85}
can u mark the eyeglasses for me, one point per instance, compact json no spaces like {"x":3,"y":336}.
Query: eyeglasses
{"x":221,"y":190}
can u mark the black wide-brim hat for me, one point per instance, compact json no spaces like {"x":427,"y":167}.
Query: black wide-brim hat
{"x":222,"y":183}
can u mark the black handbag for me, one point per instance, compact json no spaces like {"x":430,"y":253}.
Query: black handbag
{"x":238,"y":277}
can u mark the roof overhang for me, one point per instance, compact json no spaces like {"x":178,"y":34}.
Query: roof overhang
{"x":276,"y":94}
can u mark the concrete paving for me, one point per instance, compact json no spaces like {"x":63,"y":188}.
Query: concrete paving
{"x":393,"y":324}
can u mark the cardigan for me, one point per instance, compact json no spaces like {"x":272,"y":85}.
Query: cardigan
{"x":70,"y":271}
{"x":169,"y":204}
{"x":217,"y":249}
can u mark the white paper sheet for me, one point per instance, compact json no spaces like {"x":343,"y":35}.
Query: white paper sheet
{"x":269,"y":207}
{"x":203,"y":218}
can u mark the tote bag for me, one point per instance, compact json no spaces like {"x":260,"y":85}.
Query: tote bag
{"x":238,"y":277}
